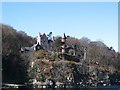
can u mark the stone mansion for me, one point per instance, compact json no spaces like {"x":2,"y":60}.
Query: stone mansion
{"x":43,"y":42}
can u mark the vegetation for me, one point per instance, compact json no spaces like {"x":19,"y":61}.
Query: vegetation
{"x":13,"y":65}
{"x":42,"y":65}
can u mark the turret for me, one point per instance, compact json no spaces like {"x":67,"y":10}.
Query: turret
{"x":39,"y":39}
{"x":63,"y":40}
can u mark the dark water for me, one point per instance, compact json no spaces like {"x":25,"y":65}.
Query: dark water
{"x":91,"y":88}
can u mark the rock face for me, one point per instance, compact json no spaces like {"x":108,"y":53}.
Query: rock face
{"x":43,"y":67}
{"x":46,"y":67}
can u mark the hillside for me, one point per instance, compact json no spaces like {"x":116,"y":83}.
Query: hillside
{"x":90,"y":60}
{"x":12,"y":67}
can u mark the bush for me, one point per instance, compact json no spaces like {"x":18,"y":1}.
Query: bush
{"x":42,"y":54}
{"x":71,"y":62}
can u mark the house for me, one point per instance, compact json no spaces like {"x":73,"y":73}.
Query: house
{"x":43,"y":42}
